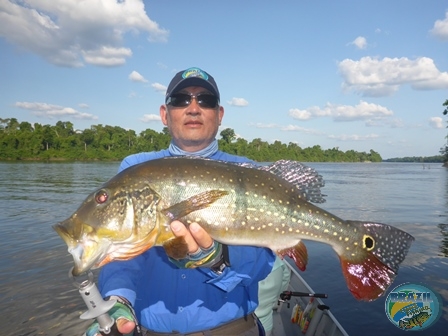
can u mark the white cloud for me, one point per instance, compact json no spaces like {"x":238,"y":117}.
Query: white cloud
{"x":72,"y":32}
{"x":54,"y":111}
{"x":106,"y":56}
{"x":295,"y":128}
{"x":440,"y":29}
{"x":362,"y":111}
{"x":159,"y":87}
{"x":374,"y":77}
{"x":136,"y":77}
{"x":436,"y":122}
{"x":238,"y":102}
{"x":353,"y":137}
{"x":302,"y":114}
{"x":360,"y":42}
{"x":392,"y":123}
{"x":261,"y":125}
{"x":83,"y":106}
{"x":150,"y":118}
{"x":287,"y":128}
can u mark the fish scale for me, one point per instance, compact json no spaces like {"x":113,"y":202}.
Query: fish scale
{"x":237,"y":204}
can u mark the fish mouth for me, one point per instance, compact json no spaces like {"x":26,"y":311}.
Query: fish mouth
{"x":87,"y":253}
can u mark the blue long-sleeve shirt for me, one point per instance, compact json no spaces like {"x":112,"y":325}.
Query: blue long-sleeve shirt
{"x":168,"y":299}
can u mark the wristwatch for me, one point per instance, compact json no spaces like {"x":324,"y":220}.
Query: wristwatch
{"x":222,"y":262}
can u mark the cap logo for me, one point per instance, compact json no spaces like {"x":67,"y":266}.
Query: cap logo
{"x":195,"y":72}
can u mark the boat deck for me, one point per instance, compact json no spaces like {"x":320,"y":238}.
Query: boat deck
{"x":321,"y":321}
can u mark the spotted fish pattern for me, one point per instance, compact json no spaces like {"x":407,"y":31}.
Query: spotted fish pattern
{"x":237,"y":204}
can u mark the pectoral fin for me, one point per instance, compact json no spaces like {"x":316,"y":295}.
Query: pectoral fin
{"x":298,"y":253}
{"x":194,"y":203}
{"x":176,"y":248}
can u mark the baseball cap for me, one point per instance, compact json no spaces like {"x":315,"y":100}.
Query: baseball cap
{"x":192,"y":77}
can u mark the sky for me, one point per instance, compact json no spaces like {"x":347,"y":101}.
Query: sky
{"x":349,"y":74}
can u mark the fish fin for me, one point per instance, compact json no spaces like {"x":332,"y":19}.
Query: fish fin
{"x":140,"y":246}
{"x":194,"y":203}
{"x":104,"y":261}
{"x":176,"y":248}
{"x":304,"y":178}
{"x":372,"y":269}
{"x":367,"y":280}
{"x":164,"y":236}
{"x":298,"y":253}
{"x":387,"y":243}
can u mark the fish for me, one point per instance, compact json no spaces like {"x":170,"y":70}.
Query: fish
{"x":416,"y":320}
{"x":272,"y":206}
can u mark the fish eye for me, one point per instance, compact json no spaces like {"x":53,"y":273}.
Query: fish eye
{"x":368,"y":242}
{"x":101,"y":196}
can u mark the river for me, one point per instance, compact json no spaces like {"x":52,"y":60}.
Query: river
{"x":38,"y":298}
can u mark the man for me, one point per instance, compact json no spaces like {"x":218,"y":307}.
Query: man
{"x":219,"y":297}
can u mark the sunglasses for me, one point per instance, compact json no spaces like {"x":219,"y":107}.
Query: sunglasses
{"x":183,"y":99}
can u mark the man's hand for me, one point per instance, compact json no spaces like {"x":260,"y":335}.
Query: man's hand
{"x":124,"y":317}
{"x":200,"y":248}
{"x":124,"y":326}
{"x":195,"y":236}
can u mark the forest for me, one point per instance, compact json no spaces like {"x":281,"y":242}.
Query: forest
{"x":26,"y":141}
{"x":422,"y":159}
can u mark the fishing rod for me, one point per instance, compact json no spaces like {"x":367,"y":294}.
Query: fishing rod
{"x":96,"y":305}
{"x":287,"y":295}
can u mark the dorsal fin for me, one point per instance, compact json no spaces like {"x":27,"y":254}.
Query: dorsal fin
{"x":305,"y":178}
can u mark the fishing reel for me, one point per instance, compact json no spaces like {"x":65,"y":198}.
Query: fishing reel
{"x":287,"y":295}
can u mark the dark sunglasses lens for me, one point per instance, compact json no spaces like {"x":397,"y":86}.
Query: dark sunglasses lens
{"x":180,"y":100}
{"x":207,"y":101}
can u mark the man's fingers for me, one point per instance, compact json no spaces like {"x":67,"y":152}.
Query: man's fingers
{"x":201,"y":237}
{"x":125,"y":326}
{"x":195,"y":236}
{"x":180,"y":230}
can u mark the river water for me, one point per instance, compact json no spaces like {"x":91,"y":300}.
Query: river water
{"x":38,"y":298}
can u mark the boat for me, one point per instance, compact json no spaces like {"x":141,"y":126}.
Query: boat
{"x":301,"y":311}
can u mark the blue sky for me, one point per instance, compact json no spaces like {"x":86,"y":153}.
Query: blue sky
{"x":352,"y":74}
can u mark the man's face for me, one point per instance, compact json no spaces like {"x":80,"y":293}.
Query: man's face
{"x":192,"y":127}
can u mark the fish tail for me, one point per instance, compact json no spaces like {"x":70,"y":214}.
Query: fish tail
{"x":367,"y":279}
{"x":371,"y":269}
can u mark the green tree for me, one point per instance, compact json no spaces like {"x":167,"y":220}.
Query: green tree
{"x":445,"y":112}
{"x":228,"y":135}
{"x":25,"y":126}
{"x":11,"y":125}
{"x":375,"y":157}
{"x":21,"y":140}
{"x":87,"y":137}
{"x":48,"y":137}
{"x":444,"y":150}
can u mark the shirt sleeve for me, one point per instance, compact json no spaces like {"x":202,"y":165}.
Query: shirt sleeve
{"x":248,"y":265}
{"x":121,"y":278}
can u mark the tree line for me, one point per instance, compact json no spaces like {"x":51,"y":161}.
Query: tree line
{"x":422,"y":159}
{"x":444,"y":149}
{"x":26,"y":141}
